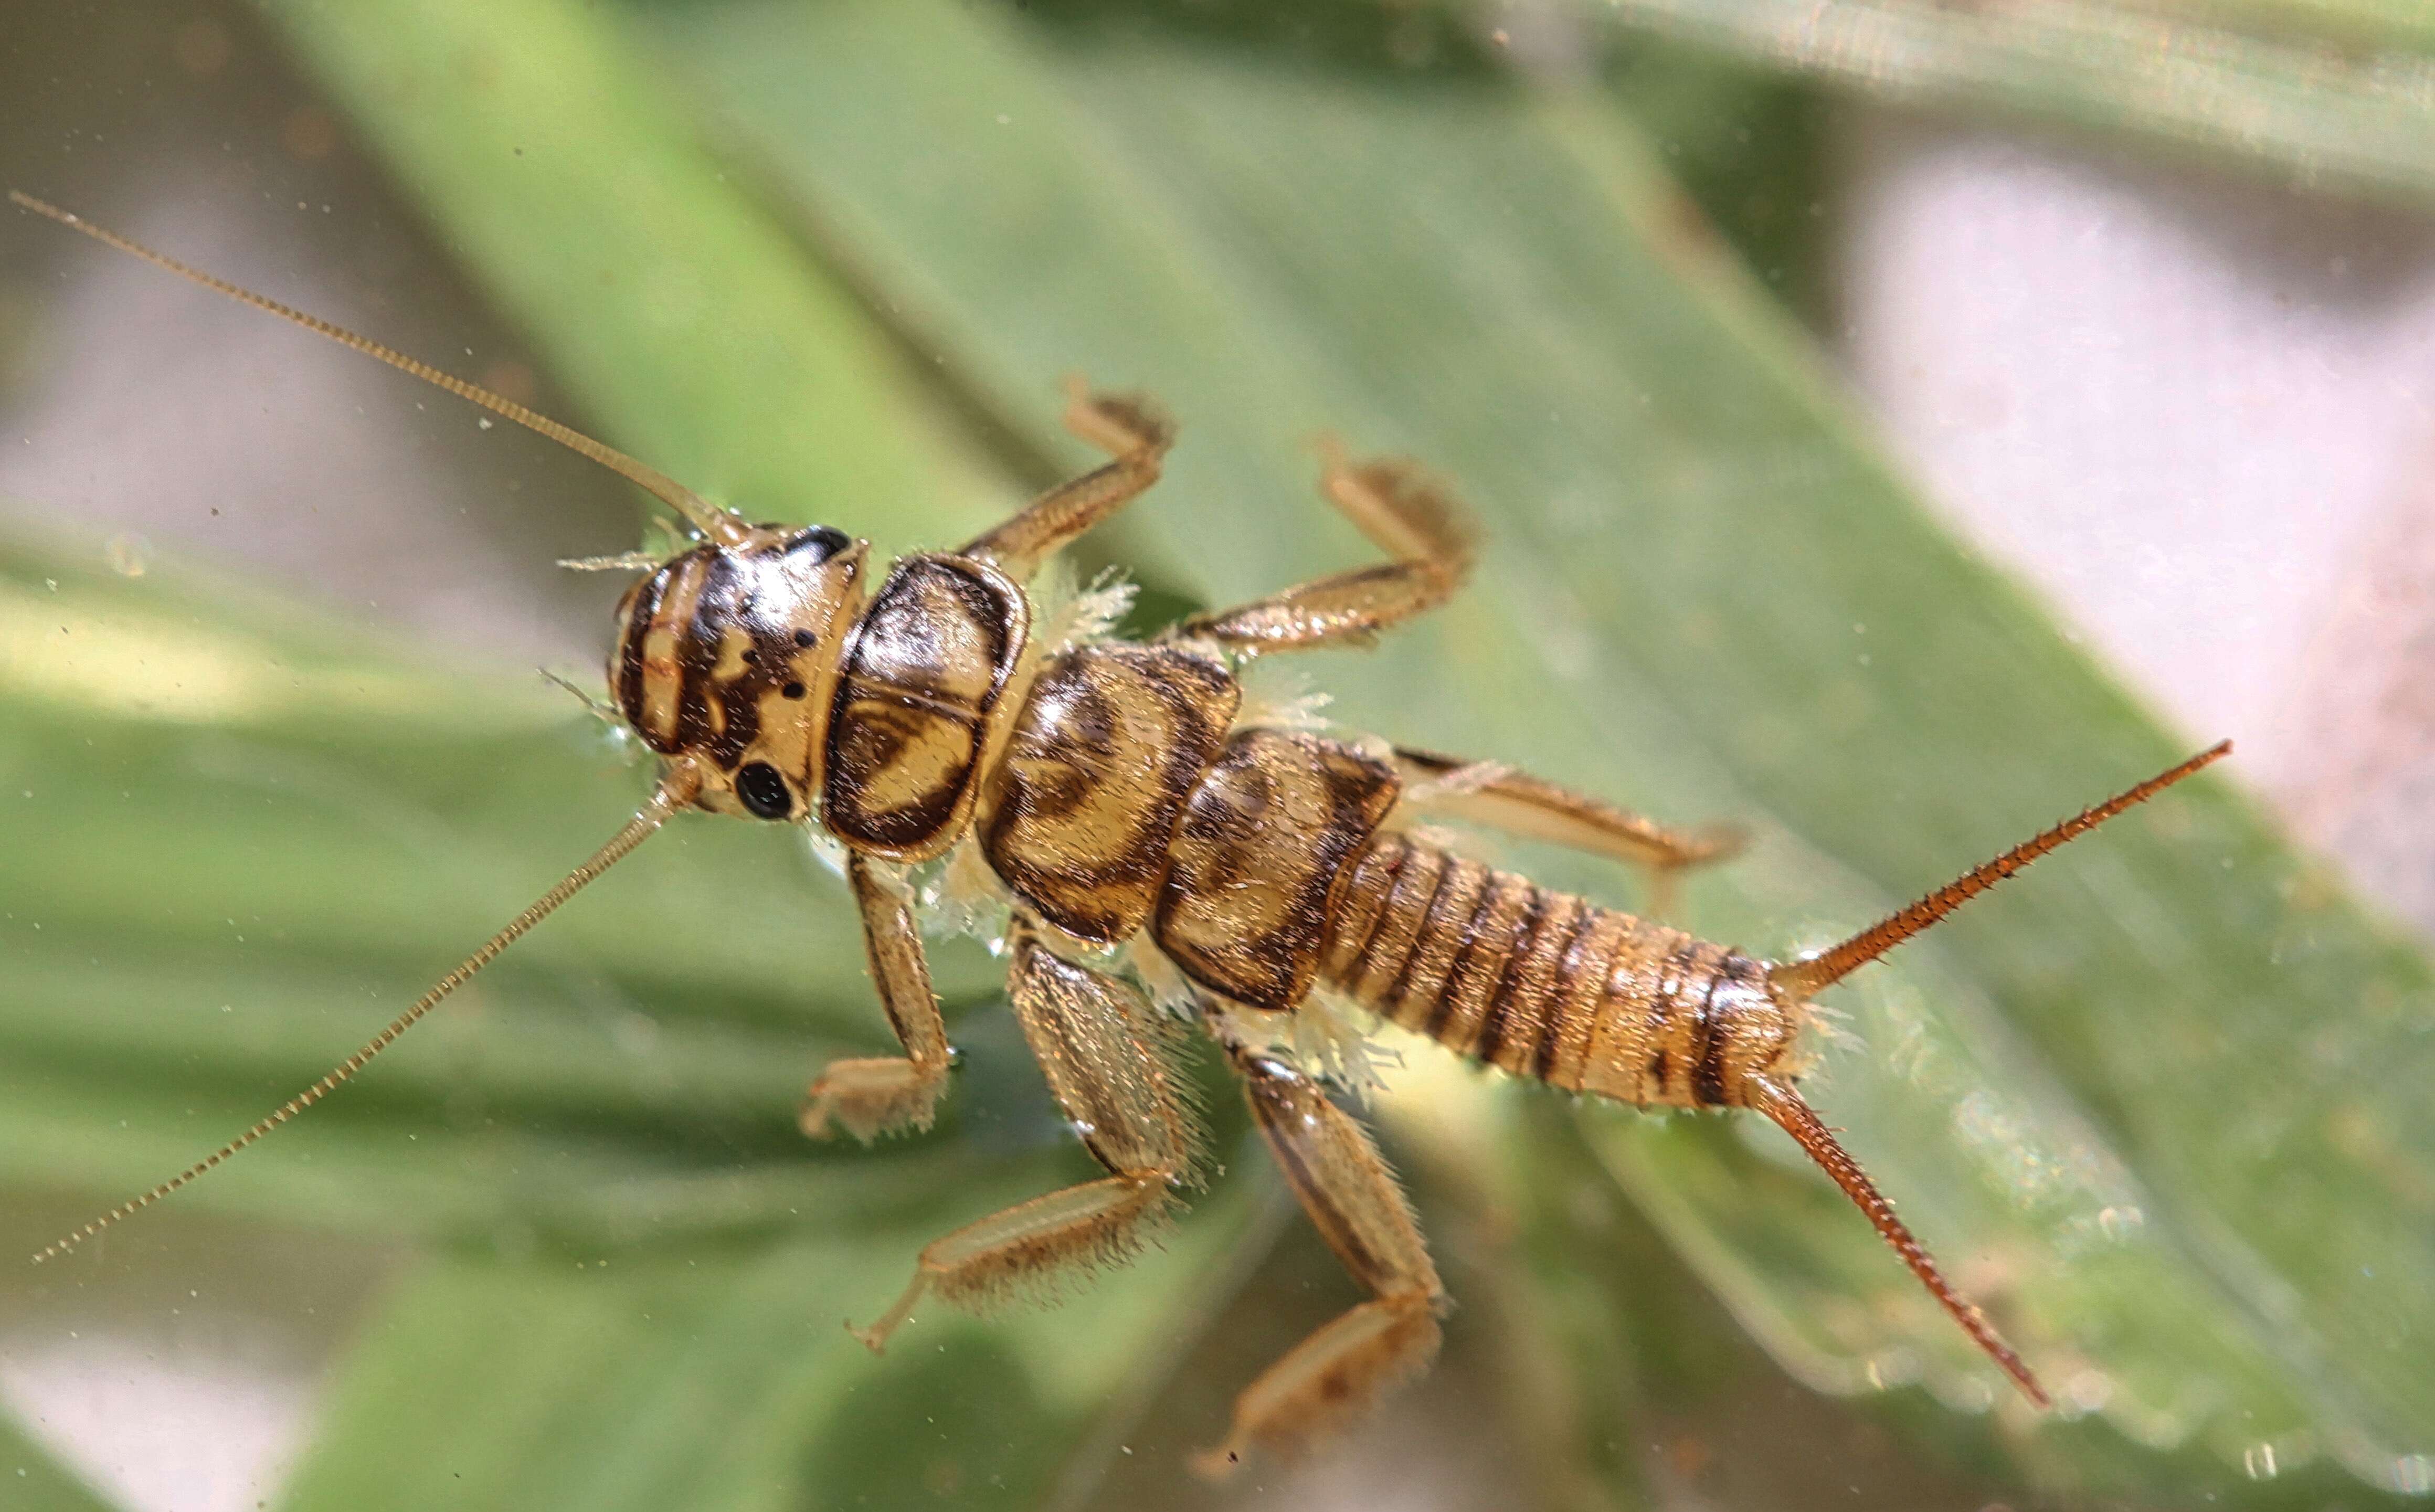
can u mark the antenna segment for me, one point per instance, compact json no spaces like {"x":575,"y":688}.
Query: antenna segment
{"x":673,"y":793}
{"x":721,"y":526}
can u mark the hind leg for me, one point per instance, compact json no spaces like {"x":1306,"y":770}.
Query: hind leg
{"x":1402,"y":513}
{"x":1095,"y":1042}
{"x":1489,"y":793}
{"x":1338,"y":1373}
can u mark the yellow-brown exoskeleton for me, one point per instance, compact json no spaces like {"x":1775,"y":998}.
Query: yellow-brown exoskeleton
{"x":1118,"y":800}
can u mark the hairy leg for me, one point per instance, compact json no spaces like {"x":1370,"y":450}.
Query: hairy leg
{"x":1129,"y":428}
{"x":868,"y":1098}
{"x":1097,"y":1045}
{"x":1418,"y":526}
{"x":1491,"y":794}
{"x":1340,"y":1372}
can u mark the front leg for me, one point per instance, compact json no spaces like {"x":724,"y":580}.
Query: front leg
{"x":869,"y":1098}
{"x":1129,"y":428}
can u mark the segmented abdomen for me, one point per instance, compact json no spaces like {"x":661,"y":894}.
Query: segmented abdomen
{"x":1543,"y":984}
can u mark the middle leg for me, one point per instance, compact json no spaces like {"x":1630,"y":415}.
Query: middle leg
{"x":1495,"y":795}
{"x":1101,"y":1051}
{"x":1403,"y":514}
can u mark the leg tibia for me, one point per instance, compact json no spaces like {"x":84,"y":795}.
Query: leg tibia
{"x":1028,"y":1246}
{"x":1130,"y":428}
{"x":1093,"y":1038}
{"x":1340,"y":1372}
{"x":1330,"y":1381}
{"x":1495,"y":795}
{"x":1405,"y":516}
{"x":869,"y":1098}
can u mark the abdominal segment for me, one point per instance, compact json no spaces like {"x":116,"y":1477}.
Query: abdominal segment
{"x":1545,"y":984}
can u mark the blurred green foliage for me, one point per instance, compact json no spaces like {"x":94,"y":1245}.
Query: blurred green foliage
{"x":2160,"y":1104}
{"x":2324,"y":94}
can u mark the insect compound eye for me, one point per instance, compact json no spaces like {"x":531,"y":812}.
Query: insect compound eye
{"x":820,"y":542}
{"x":764,"y":792}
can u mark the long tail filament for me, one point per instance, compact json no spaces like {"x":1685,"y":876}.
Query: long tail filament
{"x":1782,"y":1104}
{"x":1807,"y":978}
{"x":1802,"y":978}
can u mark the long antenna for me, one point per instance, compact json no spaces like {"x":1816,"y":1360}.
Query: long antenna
{"x":675,"y":790}
{"x":1805,"y":977}
{"x":1782,"y":1104}
{"x":721,"y":526}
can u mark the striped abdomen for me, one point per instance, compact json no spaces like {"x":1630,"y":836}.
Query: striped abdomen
{"x":1547,"y":985}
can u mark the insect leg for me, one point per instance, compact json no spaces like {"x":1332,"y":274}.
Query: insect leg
{"x":874,"y":1097}
{"x":1130,"y":428}
{"x":1406,"y":516}
{"x":1498,"y":796}
{"x":1338,"y":1372}
{"x":1099,"y":1049}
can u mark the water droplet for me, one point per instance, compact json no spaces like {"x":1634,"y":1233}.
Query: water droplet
{"x":2413,"y":1474}
{"x":128,"y":553}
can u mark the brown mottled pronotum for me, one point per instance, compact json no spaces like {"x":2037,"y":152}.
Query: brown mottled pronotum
{"x":1115,"y":796}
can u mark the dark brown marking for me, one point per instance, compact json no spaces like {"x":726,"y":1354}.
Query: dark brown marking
{"x":1543,"y":1067}
{"x":1509,"y":982}
{"x":1491,"y":939}
{"x":641,"y":605}
{"x":1708,"y":1071}
{"x":1267,"y":840}
{"x":1475,"y":924}
{"x":1104,"y":755}
{"x":1430,"y":924}
{"x":1389,"y":857}
{"x":1410,"y":892}
{"x":922,"y":676}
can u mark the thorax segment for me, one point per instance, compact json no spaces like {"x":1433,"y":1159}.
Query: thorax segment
{"x":1107,"y":748}
{"x":922,"y":677}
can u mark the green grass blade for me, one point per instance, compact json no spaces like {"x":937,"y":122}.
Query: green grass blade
{"x":675,"y":312}
{"x":2339,"y":96}
{"x":718,"y":1382}
{"x":33,"y":1482}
